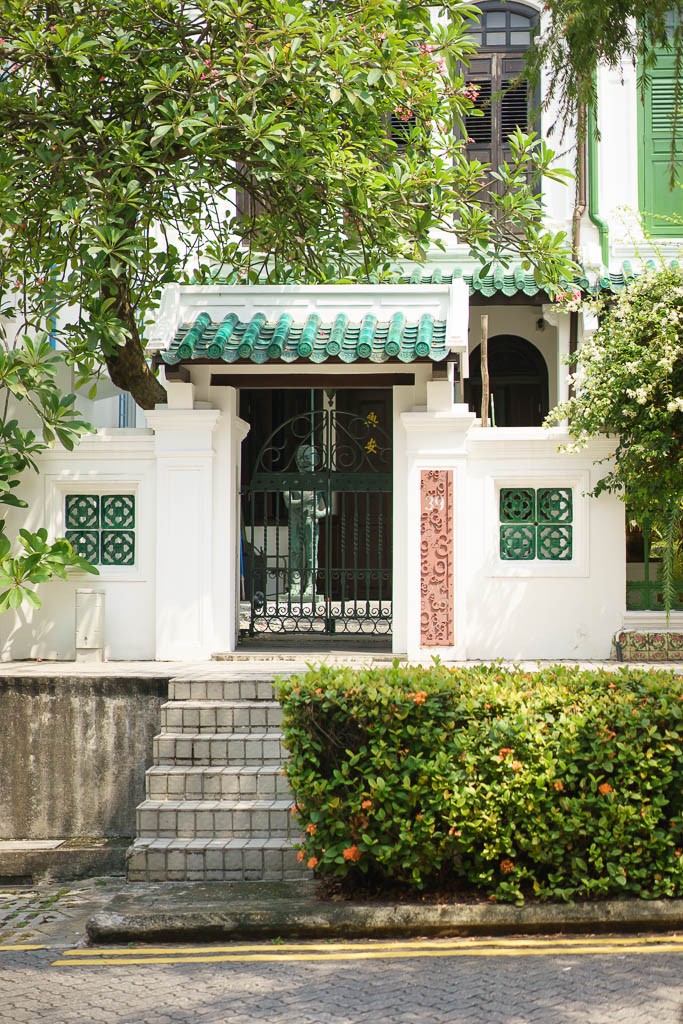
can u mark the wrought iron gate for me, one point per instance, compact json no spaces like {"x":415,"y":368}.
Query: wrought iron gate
{"x":316,"y":534}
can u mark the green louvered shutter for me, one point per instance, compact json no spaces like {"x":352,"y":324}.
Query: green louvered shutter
{"x":657,"y":200}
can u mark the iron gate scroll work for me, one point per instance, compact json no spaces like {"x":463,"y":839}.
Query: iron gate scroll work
{"x":317,"y":527}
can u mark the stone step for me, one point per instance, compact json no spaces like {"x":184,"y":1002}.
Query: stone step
{"x":216,"y":819}
{"x":224,"y":860}
{"x":203,"y":782}
{"x":252,"y":748}
{"x":247,"y":688}
{"x":202,"y":716}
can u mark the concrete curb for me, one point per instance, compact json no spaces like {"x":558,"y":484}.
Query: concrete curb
{"x":203,"y":915}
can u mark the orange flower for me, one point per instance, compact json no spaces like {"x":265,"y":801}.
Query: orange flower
{"x":311,"y":829}
{"x":420,"y":697}
{"x":503,"y":752}
{"x":604,"y":788}
{"x":559,"y":785}
{"x":312,"y":862}
{"x":516,"y":765}
{"x":366,"y":805}
{"x":351,"y":853}
{"x":506,"y":866}
{"x":300,"y":855}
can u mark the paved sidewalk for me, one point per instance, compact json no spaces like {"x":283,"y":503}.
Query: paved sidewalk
{"x":278,"y":662}
{"x":110,"y":910}
{"x":54,"y":914}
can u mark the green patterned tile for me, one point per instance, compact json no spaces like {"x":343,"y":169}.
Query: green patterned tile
{"x":118,"y":547}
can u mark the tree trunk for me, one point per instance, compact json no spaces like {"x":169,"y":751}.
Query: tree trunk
{"x":127,"y":365}
{"x":128,"y":369}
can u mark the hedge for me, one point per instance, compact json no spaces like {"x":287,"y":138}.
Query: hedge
{"x":555,"y":784}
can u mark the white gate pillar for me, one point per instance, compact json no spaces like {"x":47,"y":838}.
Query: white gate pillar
{"x":184,"y":534}
{"x":435,"y":530}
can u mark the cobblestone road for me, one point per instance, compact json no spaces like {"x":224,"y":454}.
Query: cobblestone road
{"x":438,"y":982}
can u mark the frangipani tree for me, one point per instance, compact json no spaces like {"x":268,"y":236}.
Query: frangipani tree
{"x":129,"y":126}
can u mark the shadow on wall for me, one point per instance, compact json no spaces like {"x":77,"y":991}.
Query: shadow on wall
{"x":73,"y":754}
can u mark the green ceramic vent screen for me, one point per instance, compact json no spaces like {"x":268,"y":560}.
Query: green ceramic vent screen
{"x":536,"y":523}
{"x":102,"y":527}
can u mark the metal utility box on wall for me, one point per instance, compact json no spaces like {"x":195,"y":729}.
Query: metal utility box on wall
{"x":89,"y":625}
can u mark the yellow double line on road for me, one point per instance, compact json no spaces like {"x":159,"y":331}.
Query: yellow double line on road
{"x":20,"y":948}
{"x":309,"y":952}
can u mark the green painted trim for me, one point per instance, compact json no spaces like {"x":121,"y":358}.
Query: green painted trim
{"x":594,"y":190}
{"x":655,"y":221}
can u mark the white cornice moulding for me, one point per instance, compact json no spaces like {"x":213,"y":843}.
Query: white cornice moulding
{"x":520,"y":442}
{"x":162,"y":418}
{"x":182,"y":304}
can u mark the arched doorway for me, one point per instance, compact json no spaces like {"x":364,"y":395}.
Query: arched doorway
{"x":518,"y":382}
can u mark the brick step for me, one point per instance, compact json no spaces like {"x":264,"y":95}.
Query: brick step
{"x":193,"y":716}
{"x":227,"y":860}
{"x":203,"y":782}
{"x":216,"y":819}
{"x":253,"y":748}
{"x":254,"y":688}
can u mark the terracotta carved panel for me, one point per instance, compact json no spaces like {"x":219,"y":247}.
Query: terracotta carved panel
{"x":436,"y":558}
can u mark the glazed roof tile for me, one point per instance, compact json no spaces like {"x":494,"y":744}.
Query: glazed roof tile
{"x":260,"y":341}
{"x":513,"y":280}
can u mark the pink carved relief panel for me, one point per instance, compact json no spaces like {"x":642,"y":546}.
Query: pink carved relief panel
{"x":436,"y":558}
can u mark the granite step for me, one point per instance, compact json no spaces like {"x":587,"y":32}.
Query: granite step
{"x":221,"y":782}
{"x":214,"y":716}
{"x":239,"y":748}
{"x":248,"y":688}
{"x":216,"y":819}
{"x":228,"y":860}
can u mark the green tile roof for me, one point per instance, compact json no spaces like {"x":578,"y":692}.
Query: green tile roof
{"x":261,"y":341}
{"x":507,"y":282}
{"x":513,"y":280}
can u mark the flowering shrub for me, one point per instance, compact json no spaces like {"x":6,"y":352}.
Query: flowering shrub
{"x":556,"y":784}
{"x":629,"y":384}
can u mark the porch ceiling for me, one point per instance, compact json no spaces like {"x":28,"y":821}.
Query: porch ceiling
{"x":258,"y":340}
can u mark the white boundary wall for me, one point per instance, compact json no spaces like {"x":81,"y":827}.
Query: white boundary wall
{"x":180,"y":599}
{"x":511,"y":609}
{"x":111,"y":462}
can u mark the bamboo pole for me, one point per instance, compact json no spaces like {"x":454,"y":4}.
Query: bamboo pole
{"x":484,"y":371}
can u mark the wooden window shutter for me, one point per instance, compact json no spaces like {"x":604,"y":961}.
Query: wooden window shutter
{"x":657,"y":199}
{"x":246,"y":206}
{"x":506,"y":104}
{"x":482,"y":132}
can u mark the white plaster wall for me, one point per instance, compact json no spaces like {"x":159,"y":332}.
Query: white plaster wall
{"x":519,"y":610}
{"x":112,"y":461}
{"x":554,"y":609}
{"x":618,"y":158}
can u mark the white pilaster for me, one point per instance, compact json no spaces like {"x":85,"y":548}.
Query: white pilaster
{"x":560,"y":321}
{"x":228,"y":438}
{"x":434,"y":440}
{"x":184,"y":531}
